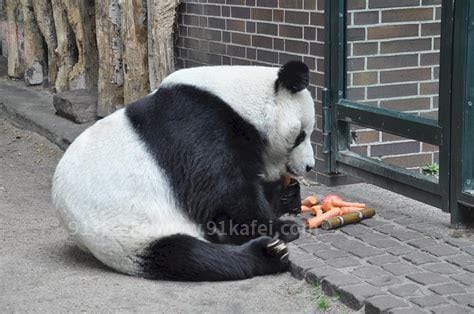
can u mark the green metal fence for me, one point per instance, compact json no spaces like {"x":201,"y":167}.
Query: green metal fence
{"x":453,"y":131}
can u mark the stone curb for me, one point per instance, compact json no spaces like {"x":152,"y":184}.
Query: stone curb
{"x":33,"y":110}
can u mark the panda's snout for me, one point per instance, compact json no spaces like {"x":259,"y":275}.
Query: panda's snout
{"x":309,"y":168}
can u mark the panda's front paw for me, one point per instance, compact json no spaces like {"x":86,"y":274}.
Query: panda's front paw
{"x":273,"y":255}
{"x":287,"y":230}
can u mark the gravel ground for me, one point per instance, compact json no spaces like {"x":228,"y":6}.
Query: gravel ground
{"x":42,"y":271}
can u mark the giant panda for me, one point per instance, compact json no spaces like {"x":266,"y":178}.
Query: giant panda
{"x":147,"y":189}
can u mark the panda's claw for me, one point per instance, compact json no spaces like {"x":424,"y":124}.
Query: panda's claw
{"x":284,"y":256}
{"x":277,"y":248}
{"x":273,"y":243}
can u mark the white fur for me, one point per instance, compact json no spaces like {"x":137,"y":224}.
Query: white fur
{"x":113,"y":197}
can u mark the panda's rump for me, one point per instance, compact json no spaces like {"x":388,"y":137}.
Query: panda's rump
{"x":112,"y":196}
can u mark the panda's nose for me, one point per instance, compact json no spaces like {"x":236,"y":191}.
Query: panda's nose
{"x":308,"y":168}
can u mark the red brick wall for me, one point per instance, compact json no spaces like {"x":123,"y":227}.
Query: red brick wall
{"x":393,"y":55}
{"x":393,"y":62}
{"x":255,"y":32}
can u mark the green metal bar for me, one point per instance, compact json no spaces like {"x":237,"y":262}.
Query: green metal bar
{"x":340,"y":134}
{"x":445,"y":88}
{"x":462,"y":212}
{"x":390,"y":177}
{"x":391,"y":121}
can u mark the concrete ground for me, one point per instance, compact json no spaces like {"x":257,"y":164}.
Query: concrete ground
{"x":407,"y":259}
{"x":42,"y":271}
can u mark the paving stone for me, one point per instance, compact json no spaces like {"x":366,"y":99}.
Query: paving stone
{"x":340,"y":280}
{"x":406,"y":290}
{"x":429,"y":300}
{"x":333,"y":238}
{"x":344,"y":262}
{"x":441,"y":250}
{"x":442,"y":268}
{"x":400,"y":250}
{"x":469,"y":250}
{"x":406,"y":221}
{"x":392,"y":215}
{"x":461,"y":260}
{"x":385,"y":243}
{"x":401,"y":268}
{"x":459,"y":242}
{"x":464,"y":299}
{"x":447,"y":289}
{"x":313,"y":247}
{"x":411,"y":310}
{"x":373,"y":222}
{"x":300,"y":264}
{"x":315,"y":275}
{"x":419,"y":258}
{"x":383,"y":259}
{"x":427,"y":278}
{"x":422,"y":243}
{"x":385,"y":281}
{"x":345,"y":245}
{"x":369,"y":272}
{"x":406,"y":235}
{"x":365,"y":251}
{"x":421,"y":227}
{"x":464,"y":278}
{"x":355,"y":229}
{"x":304,"y":238}
{"x":469,"y":268}
{"x":385,"y":229}
{"x":355,"y":295}
{"x":450,"y":309}
{"x":370,"y":237}
{"x":330,"y":254}
{"x":383,"y":304}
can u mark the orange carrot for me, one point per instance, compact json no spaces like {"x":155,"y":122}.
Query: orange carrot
{"x":314,"y":209}
{"x":345,"y":210}
{"x":317,"y":210}
{"x":309,"y":201}
{"x":306,"y":209}
{"x":342,"y":203}
{"x":333,"y":200}
{"x":318,"y":220}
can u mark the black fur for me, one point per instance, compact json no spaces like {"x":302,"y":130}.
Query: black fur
{"x":284,"y":200}
{"x":213,"y":159}
{"x":293,"y":76}
{"x":182,"y":257}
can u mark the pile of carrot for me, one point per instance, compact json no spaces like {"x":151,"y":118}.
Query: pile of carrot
{"x":331,"y":206}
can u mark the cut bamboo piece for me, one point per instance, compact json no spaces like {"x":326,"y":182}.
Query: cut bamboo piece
{"x":348,"y":218}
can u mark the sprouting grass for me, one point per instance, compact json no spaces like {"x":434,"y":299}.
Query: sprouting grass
{"x":322,"y":303}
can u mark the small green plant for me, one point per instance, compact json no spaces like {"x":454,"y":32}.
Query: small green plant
{"x":323,"y":304}
{"x":321,"y":301}
{"x":431,"y":169}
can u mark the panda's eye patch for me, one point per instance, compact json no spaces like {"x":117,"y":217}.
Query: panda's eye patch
{"x":299,"y":139}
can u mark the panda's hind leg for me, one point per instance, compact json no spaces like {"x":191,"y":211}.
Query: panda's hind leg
{"x":186,"y":258}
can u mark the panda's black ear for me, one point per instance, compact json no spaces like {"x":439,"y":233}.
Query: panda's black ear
{"x":294,"y":76}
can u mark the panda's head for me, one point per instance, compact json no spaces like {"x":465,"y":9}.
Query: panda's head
{"x":274,"y":100}
{"x":289,"y":149}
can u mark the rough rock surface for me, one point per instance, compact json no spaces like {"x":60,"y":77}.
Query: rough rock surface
{"x":78,"y":105}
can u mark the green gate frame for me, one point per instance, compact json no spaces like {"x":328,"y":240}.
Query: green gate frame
{"x":339,"y":112}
